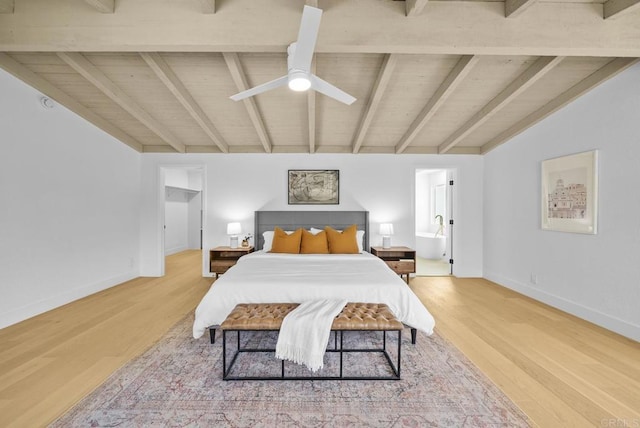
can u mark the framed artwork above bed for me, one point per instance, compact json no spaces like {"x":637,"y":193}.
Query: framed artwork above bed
{"x":313,"y":187}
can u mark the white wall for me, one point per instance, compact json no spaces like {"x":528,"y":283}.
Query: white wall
{"x":176,"y":221}
{"x":239,"y":184}
{"x":422,"y":201}
{"x":595,"y":277}
{"x":69,"y":209}
{"x":425,"y":182}
{"x":195,"y":210}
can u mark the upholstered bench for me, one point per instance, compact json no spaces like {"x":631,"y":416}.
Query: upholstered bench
{"x":356,"y":317}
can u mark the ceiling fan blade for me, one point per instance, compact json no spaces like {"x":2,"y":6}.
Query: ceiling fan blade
{"x":280,"y":81}
{"x":307,"y":35}
{"x":331,"y":91}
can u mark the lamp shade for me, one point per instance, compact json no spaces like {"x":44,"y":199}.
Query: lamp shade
{"x":234,"y":229}
{"x":386,"y":229}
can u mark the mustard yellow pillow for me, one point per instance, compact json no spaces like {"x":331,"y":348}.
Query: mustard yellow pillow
{"x":314,"y":244}
{"x":286,"y":243}
{"x":342,"y":242}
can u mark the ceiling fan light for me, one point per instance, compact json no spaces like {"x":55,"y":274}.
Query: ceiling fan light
{"x":299,"y":81}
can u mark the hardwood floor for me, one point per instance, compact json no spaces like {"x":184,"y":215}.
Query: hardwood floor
{"x":49,"y":362}
{"x":560,"y":370}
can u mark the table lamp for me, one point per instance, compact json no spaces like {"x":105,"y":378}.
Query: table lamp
{"x":386,"y":230}
{"x":234,"y":229}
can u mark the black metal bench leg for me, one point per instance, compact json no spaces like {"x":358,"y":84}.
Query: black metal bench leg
{"x":413,"y":336}
{"x":212,"y":335}
{"x":341,"y":348}
{"x":224,"y":354}
{"x":399,"y":350}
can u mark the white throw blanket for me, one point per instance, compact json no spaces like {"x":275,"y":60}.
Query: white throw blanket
{"x":305,"y":332}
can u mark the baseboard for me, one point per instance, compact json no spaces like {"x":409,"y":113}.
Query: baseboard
{"x":609,"y":322}
{"x":175,"y":250}
{"x":44,"y":305}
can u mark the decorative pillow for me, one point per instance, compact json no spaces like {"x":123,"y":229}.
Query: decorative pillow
{"x":314,"y":243}
{"x":359,"y":236}
{"x":268,"y":240}
{"x":342,"y":242}
{"x":359,"y":239}
{"x":286,"y":243}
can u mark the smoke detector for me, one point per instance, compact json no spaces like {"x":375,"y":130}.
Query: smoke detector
{"x":47,"y":102}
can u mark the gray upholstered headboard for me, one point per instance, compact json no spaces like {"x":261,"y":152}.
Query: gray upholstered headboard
{"x":291,"y":220}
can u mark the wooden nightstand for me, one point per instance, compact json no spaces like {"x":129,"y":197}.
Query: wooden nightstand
{"x":402,"y":260}
{"x":222,"y":258}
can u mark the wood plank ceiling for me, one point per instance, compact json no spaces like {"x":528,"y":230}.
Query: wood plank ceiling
{"x":441,"y":77}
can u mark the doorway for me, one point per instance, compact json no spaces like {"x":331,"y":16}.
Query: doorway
{"x":434,"y":228}
{"x":182,"y":209}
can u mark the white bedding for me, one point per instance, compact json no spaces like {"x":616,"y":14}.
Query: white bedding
{"x":262,"y":277}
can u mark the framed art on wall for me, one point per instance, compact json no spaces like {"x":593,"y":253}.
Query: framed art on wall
{"x":570,"y":193}
{"x":314,"y":187}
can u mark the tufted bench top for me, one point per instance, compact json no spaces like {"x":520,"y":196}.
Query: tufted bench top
{"x":269,"y":316}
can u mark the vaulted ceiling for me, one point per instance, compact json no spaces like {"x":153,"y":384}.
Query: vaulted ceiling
{"x":429,"y":76}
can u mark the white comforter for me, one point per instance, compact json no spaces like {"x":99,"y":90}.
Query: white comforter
{"x":293,"y":278}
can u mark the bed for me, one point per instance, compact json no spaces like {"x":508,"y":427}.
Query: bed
{"x":265,"y":277}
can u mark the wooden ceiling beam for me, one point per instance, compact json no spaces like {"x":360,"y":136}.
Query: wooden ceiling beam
{"x":44,"y":86}
{"x":433,"y":150}
{"x":7,"y":6}
{"x":177,"y":88}
{"x":513,"y":8}
{"x":414,"y":7}
{"x":208,"y":6}
{"x":384,"y":77}
{"x":605,"y":73}
{"x":240,"y":79}
{"x":449,"y":27}
{"x":617,"y":8}
{"x":90,"y":72}
{"x":103,"y":6}
{"x":446,"y":88}
{"x":523,"y":82}
{"x":311,"y":110}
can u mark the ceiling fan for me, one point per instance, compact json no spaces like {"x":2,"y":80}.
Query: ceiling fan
{"x":300,"y":55}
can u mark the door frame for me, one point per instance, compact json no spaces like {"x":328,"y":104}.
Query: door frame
{"x":451,"y":173}
{"x":160,"y":209}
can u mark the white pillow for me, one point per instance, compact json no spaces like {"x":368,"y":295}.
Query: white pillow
{"x":268,"y":239}
{"x":359,"y":236}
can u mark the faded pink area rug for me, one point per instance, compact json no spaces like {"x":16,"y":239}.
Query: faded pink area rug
{"x":178,"y":383}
